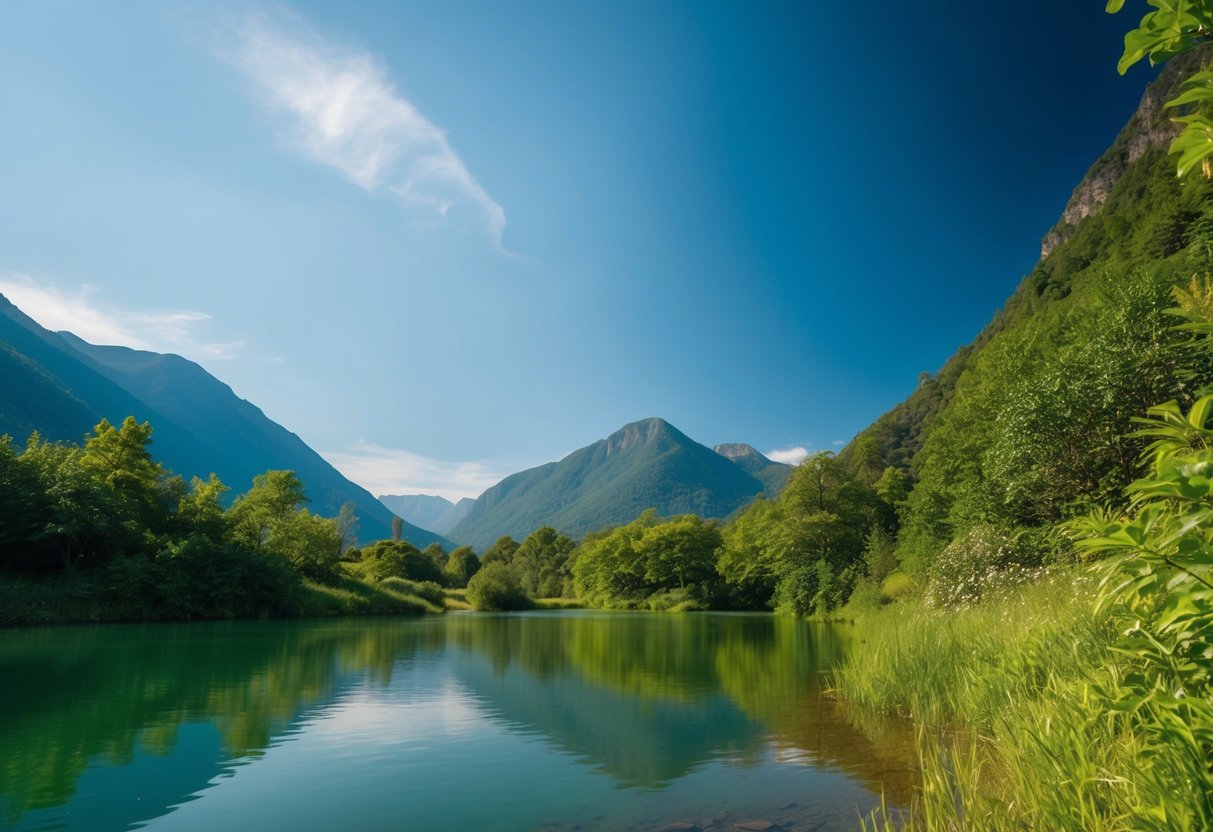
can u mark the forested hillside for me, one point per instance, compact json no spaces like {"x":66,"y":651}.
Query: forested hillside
{"x":1027,"y":426}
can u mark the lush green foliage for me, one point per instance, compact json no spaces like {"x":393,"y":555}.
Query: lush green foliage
{"x":400,"y":559}
{"x":461,"y":566}
{"x":541,"y":563}
{"x":1079,"y":714}
{"x":130,"y":541}
{"x":1173,"y":28}
{"x":502,"y":550}
{"x":497,"y":588}
{"x":806,"y":552}
{"x":631,"y":565}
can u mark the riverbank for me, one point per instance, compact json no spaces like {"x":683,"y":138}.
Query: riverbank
{"x":1018,"y":688}
{"x":87,"y":599}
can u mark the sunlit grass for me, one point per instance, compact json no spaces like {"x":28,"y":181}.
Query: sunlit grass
{"x":559,"y":604}
{"x":1013,"y":730}
{"x":352,"y":596}
{"x":457,"y":599}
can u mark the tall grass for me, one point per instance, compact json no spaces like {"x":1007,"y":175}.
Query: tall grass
{"x":351,"y":596}
{"x":1015,"y":728}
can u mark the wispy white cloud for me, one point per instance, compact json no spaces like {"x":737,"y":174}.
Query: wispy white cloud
{"x":346,"y":113}
{"x":383,"y":470}
{"x":82,"y":312}
{"x":789,"y":456}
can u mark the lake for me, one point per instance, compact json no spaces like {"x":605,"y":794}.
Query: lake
{"x":547,"y":721}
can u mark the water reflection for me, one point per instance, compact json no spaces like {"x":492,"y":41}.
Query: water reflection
{"x":112,"y":726}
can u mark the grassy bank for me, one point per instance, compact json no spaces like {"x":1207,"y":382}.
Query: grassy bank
{"x":1015,"y":728}
{"x":86,"y":599}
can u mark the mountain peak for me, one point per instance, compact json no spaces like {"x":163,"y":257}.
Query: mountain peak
{"x":739,"y":450}
{"x":645,"y":464}
{"x":643,"y":432}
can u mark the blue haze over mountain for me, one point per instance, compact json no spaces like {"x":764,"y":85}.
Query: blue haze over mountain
{"x":429,"y":511}
{"x":61,"y":386}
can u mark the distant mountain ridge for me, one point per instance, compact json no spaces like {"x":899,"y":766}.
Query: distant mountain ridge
{"x":645,"y":464}
{"x":773,"y":475}
{"x":429,"y":511}
{"x":61,"y":386}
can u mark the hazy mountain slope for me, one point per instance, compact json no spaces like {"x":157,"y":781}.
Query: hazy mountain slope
{"x":429,"y":511}
{"x":252,"y":442}
{"x":62,"y":386}
{"x":63,"y":394}
{"x":646,"y":464}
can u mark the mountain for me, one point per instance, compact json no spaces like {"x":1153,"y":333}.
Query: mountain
{"x":61,"y":386}
{"x":428,"y":511}
{"x":646,"y":464}
{"x":1031,"y":423}
{"x":773,"y":475}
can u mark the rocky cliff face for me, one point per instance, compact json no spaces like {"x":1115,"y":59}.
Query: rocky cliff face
{"x":738,"y":451}
{"x":644,"y":432}
{"x":1150,"y":128}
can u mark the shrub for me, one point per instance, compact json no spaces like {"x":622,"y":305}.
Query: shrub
{"x":427,"y":590}
{"x":496,"y":588}
{"x":984,"y":559}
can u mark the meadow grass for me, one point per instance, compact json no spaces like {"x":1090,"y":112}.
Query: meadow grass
{"x":354,"y":596}
{"x":559,"y":603}
{"x":1015,"y":726}
{"x":457,"y":599}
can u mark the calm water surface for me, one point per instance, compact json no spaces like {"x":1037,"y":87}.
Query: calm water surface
{"x":553,"y":722}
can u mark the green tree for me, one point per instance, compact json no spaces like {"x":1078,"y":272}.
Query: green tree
{"x":496,"y":588}
{"x":200,"y":510}
{"x":400,"y":559}
{"x":437,"y":554}
{"x":541,"y":563}
{"x":24,"y":511}
{"x":753,"y":546}
{"x":461,"y":566}
{"x":826,"y":516}
{"x":609,"y":569}
{"x":85,"y":520}
{"x":273,"y":499}
{"x":120,"y":458}
{"x":502,"y":551}
{"x":268,"y":518}
{"x":681,"y":554}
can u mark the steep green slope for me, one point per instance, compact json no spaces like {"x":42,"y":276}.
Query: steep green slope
{"x":1027,"y":426}
{"x":61,"y":386}
{"x":647,"y":464}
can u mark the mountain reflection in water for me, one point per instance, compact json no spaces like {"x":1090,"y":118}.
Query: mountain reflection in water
{"x":544,"y":720}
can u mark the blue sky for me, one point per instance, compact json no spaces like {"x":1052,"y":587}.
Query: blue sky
{"x":443,"y":241}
